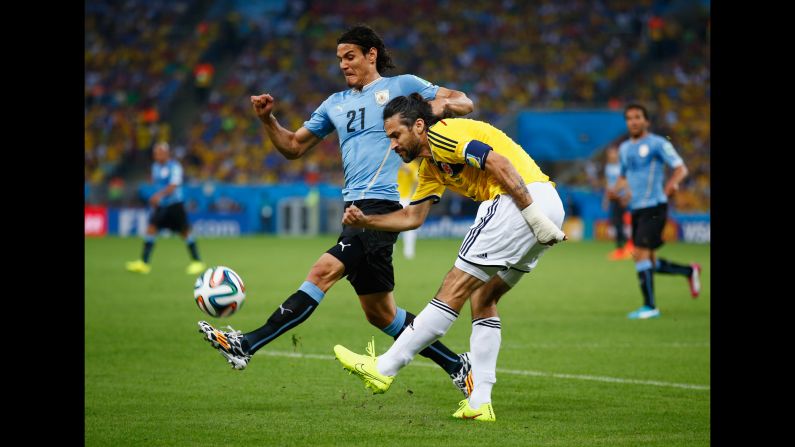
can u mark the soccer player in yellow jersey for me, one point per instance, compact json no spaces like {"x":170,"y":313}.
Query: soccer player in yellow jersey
{"x":519,"y":218}
{"x":407,"y":183}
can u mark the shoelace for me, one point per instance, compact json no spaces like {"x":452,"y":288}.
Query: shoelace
{"x":238,"y":336}
{"x":232,"y":332}
{"x":371,"y":347}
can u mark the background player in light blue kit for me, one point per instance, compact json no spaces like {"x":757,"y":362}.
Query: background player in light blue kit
{"x":168,"y":211}
{"x":370,"y":169}
{"x":643,"y":158}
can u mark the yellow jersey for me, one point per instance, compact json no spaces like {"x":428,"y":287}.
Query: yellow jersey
{"x":459,"y":149}
{"x":407,"y":178}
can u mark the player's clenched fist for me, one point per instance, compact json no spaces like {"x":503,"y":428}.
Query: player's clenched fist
{"x":353,"y":217}
{"x":263,"y":105}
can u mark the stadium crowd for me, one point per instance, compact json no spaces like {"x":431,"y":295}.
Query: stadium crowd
{"x":136,"y":57}
{"x":506,"y":55}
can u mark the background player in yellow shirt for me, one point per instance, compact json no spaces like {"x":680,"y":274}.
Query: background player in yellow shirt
{"x":407,"y":183}
{"x":519,"y":218}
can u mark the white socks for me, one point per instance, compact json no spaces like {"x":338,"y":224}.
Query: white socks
{"x":428,"y":326}
{"x":484,"y":345}
{"x":431,"y":324}
{"x":409,"y":242}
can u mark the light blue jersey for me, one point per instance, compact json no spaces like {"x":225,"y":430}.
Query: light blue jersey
{"x":168,"y":173}
{"x":612,"y":171}
{"x":642,"y":164}
{"x":370,"y":167}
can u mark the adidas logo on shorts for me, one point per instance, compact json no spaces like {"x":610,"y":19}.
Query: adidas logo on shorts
{"x":482,"y":256}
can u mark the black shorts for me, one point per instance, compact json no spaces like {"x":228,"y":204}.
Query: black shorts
{"x":171,"y":216}
{"x":647,"y":226}
{"x":367,"y":254}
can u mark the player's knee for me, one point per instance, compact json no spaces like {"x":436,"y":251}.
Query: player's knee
{"x":325,"y":272}
{"x":456,"y":288}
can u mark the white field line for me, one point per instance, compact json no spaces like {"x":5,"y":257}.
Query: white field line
{"x":519,"y":372}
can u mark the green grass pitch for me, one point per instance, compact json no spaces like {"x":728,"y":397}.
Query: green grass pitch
{"x":572,"y":370}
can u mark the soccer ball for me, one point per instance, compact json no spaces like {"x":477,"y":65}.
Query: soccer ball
{"x":219,"y":292}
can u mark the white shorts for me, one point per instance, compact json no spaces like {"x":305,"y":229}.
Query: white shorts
{"x":501,"y":242}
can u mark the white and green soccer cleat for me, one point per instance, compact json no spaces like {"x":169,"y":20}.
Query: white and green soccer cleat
{"x":364,"y":366}
{"x":485,"y":413}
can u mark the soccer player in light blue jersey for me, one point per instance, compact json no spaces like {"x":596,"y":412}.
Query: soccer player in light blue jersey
{"x":370,"y":168}
{"x":168,"y":211}
{"x":643,"y":158}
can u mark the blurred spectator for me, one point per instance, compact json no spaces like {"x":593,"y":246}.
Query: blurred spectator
{"x":115,"y":189}
{"x":203,"y":80}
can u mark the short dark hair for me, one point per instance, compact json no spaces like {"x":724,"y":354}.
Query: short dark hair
{"x":636,"y":106}
{"x":366,"y":38}
{"x":410,"y":108}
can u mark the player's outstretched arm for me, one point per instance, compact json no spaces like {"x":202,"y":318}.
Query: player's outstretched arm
{"x":451,"y":103}
{"x":679,"y":174}
{"x":158,"y":196}
{"x":508,"y":177}
{"x":291,"y":144}
{"x":408,"y":218}
{"x":621,"y":184}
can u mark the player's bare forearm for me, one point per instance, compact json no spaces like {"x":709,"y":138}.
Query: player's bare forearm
{"x":451,"y":103}
{"x":508,"y":177}
{"x":158,"y":196}
{"x":290,"y":144}
{"x":408,"y":218}
{"x":621,"y":183}
{"x":165,"y":191}
{"x":679,"y":174}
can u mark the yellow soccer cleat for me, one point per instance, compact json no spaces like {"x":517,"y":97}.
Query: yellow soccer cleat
{"x":364,"y":366}
{"x":195,"y":267}
{"x":485,"y":413}
{"x":138,"y":266}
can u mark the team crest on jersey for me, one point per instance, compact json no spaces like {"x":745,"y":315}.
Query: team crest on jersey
{"x":451,"y":169}
{"x":164,"y":172}
{"x":644,"y":150}
{"x":381,"y":97}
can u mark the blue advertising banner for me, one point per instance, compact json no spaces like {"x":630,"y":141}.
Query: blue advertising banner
{"x":133,"y":222}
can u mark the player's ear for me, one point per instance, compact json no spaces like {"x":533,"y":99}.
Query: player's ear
{"x":372,"y":54}
{"x":419,"y":125}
